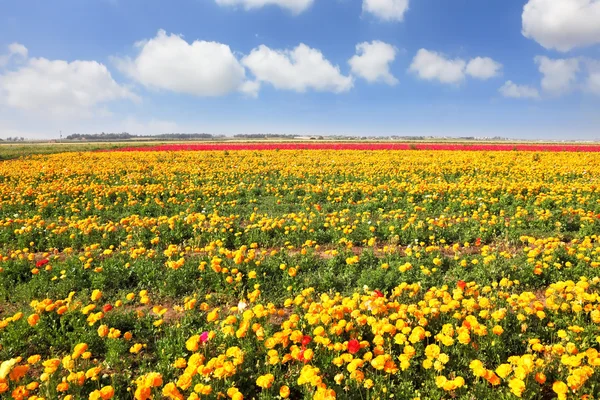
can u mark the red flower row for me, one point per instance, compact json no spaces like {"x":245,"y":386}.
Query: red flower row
{"x":366,"y":146}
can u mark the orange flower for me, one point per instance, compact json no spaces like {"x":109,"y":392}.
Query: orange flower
{"x":33,"y":319}
{"x":284,"y":391}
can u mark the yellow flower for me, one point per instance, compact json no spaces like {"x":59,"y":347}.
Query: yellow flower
{"x":503,"y":370}
{"x":7,"y":366}
{"x":560,"y":388}
{"x":284,"y":391}
{"x":96,"y":295}
{"x":517,"y":386}
{"x":213,"y":315}
{"x":79,"y":350}
{"x":265,"y":381}
{"x":136,"y":348}
{"x":478,"y":368}
{"x":432,"y":351}
{"x":102,"y":330}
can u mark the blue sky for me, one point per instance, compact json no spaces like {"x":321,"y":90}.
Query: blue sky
{"x":523,"y":69}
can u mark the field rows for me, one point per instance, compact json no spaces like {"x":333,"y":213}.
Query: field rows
{"x":300,"y":274}
{"x":368,"y":146}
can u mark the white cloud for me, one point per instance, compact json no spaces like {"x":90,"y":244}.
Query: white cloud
{"x":372,"y":62}
{"x":18,"y":49}
{"x":510,"y":89}
{"x":483,"y":68}
{"x":200,"y":68}
{"x":430,"y":65}
{"x":593,"y":80}
{"x":295,"y":6}
{"x":60,"y":88}
{"x":387,"y":10}
{"x":562,"y":24}
{"x":299,"y":69}
{"x":14,"y":50}
{"x":250,"y":88}
{"x":558,"y":76}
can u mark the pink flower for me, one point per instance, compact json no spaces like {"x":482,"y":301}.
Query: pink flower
{"x":204,"y":337}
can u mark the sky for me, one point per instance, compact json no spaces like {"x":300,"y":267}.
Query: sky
{"x":525,"y":69}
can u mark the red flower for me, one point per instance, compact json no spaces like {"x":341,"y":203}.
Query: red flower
{"x":378,"y":293}
{"x":353,"y":346}
{"x":461,"y":285}
{"x":107,"y":308}
{"x":306,"y":340}
{"x":42,"y":262}
{"x":478,"y":242}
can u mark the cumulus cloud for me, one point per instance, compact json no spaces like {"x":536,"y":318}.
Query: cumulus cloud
{"x":250,"y":88}
{"x":592,"y":83}
{"x":15,"y":50}
{"x":295,"y":6}
{"x":483,"y":68}
{"x":372,"y":62}
{"x":299,"y":69}
{"x":60,"y":88}
{"x":169,"y":62}
{"x":559,"y":75}
{"x":510,"y":89}
{"x":430,"y":65}
{"x":386,"y":10}
{"x":562,"y":24}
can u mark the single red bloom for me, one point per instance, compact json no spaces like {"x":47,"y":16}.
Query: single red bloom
{"x":353,"y":346}
{"x":306,"y":340}
{"x":461,"y":285}
{"x":107,"y":308}
{"x":378,"y":293}
{"x":42,"y":262}
{"x":478,"y":242}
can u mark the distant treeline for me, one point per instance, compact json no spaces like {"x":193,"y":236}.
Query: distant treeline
{"x":129,"y":136}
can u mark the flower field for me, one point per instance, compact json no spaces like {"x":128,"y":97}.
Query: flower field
{"x":301,"y":274}
{"x":367,"y":146}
